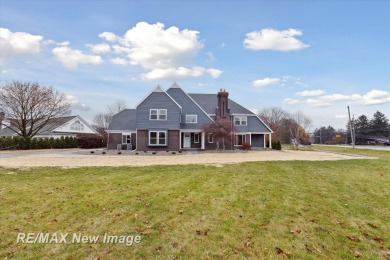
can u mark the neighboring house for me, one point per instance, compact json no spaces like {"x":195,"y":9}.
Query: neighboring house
{"x":172,"y":120}
{"x":57,"y":127}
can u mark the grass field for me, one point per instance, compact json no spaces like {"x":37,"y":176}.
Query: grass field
{"x":260,"y":210}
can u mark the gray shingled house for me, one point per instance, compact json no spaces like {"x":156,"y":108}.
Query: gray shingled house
{"x":172,"y":120}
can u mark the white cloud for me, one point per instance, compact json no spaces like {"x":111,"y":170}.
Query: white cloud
{"x":270,"y":39}
{"x":335,"y":97}
{"x":310,"y":93}
{"x":317,"y":103}
{"x":341,"y":116}
{"x":164,"y":52}
{"x":76,"y":104}
{"x":214,"y":73}
{"x":109,"y":36}
{"x":181,"y":72}
{"x":291,"y":101}
{"x":18,"y":43}
{"x":260,"y":83}
{"x":72,"y":58}
{"x":119,"y":61}
{"x":373,"y":97}
{"x":99,"y":48}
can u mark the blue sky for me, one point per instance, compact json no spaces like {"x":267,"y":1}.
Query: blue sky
{"x":313,"y":56}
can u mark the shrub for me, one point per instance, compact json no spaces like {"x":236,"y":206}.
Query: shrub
{"x":90,"y":141}
{"x":173,"y":153}
{"x":278,"y":145}
{"x":154,"y":152}
{"x":246,"y":146}
{"x":119,"y":152}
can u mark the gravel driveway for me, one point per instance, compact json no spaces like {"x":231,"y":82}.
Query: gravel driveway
{"x":75,"y":158}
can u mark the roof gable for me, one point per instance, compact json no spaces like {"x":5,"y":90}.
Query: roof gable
{"x":124,"y":120}
{"x":158,"y":89}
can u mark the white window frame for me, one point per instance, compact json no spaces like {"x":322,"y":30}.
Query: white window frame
{"x":210,"y":138}
{"x":159,"y":113}
{"x":241,"y":120}
{"x":158,"y":138}
{"x":236,"y":139}
{"x":196,"y":140}
{"x":125,"y":136}
{"x":190,"y":122}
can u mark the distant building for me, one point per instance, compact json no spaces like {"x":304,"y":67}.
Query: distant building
{"x":56,"y":127}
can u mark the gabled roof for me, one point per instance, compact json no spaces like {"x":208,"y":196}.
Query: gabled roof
{"x":209,"y":102}
{"x":124,"y":120}
{"x":159,"y":89}
{"x":48,"y":128}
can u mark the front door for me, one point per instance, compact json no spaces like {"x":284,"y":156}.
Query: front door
{"x":187,"y":140}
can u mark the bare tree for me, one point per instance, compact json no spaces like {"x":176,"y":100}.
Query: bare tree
{"x":101,"y":121}
{"x":222,"y":131}
{"x":30,"y":106}
{"x":116,"y":107}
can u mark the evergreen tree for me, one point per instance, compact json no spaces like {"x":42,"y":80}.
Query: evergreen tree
{"x":379,"y":124}
{"x":362,"y":125}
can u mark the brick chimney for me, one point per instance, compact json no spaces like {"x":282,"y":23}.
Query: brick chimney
{"x":222,"y":110}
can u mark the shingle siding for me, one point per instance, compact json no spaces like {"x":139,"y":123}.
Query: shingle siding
{"x":158,"y":100}
{"x":188,"y":108}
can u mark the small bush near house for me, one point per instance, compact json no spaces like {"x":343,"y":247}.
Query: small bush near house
{"x":154,"y":152}
{"x":278,"y":145}
{"x":89,"y":141}
{"x":246,"y":146}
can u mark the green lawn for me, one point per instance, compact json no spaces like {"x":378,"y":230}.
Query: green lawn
{"x":307,"y":210}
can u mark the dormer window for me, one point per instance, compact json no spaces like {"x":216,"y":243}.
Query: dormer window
{"x":191,"y":119}
{"x":240,"y":120}
{"x":158,"y":114}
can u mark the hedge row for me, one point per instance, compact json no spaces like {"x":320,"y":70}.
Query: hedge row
{"x":24,"y":143}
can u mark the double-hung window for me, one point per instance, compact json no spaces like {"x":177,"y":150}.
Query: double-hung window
{"x":191,"y":119}
{"x":158,"y":114}
{"x":126,"y":139}
{"x":240,"y":120}
{"x":157,"y":138}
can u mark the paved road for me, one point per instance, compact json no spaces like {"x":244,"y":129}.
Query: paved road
{"x":369,"y":147}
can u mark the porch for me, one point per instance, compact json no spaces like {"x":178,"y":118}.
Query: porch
{"x":192,"y":140}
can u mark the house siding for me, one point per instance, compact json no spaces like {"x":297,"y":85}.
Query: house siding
{"x":188,"y":108}
{"x":158,"y":100}
{"x":173,"y":142}
{"x":255,"y":125}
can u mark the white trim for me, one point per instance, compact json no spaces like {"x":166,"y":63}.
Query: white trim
{"x":177,"y":86}
{"x":203,"y":141}
{"x":264,"y":124}
{"x":158,"y":138}
{"x":191,"y":130}
{"x":126,"y":138}
{"x":158,"y":114}
{"x":121,"y":131}
{"x":196,"y":134}
{"x":270,"y":144}
{"x":78,"y":117}
{"x":196,"y":119}
{"x":241,"y":121}
{"x":264,"y":144}
{"x":243,"y":141}
{"x":208,"y":138}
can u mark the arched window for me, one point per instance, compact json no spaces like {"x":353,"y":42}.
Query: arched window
{"x":77,"y":126}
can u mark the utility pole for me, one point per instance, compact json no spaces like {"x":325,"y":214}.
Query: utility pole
{"x":350,"y":126}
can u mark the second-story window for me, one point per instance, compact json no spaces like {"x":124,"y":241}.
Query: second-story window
{"x":158,"y":114}
{"x":240,"y":120}
{"x":191,"y":119}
